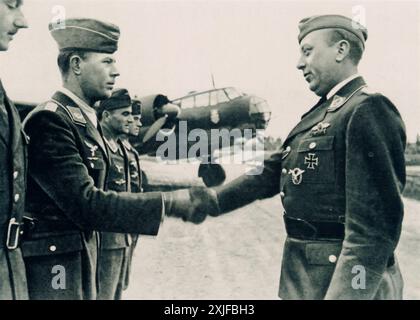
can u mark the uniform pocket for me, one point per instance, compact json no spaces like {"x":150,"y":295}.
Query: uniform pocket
{"x":52,"y":245}
{"x":316,"y":158}
{"x":322,"y":253}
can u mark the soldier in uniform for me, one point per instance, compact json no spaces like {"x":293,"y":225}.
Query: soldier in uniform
{"x":340,"y":175}
{"x":135,"y":173}
{"x":12,"y":171}
{"x":69,"y":165}
{"x":115,"y":118}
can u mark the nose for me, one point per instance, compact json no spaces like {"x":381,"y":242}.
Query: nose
{"x":301,"y":64}
{"x":20,"y":20}
{"x":130,"y":119}
{"x":115,"y":72}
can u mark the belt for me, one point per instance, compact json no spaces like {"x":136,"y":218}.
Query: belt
{"x":313,"y":230}
{"x":15,"y":231}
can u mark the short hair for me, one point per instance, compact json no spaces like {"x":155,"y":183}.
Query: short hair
{"x":356,"y":45}
{"x":63,"y":59}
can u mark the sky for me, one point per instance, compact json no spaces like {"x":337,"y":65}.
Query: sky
{"x":173,"y":47}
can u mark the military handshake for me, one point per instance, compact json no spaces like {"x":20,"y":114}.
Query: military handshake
{"x":84,"y":205}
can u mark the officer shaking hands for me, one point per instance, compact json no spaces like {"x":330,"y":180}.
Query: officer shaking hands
{"x":69,"y":164}
{"x":340,"y":175}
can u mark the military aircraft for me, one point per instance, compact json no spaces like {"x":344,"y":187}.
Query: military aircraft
{"x":166,"y":120}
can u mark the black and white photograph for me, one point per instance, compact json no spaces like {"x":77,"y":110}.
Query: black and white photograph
{"x":209,"y":150}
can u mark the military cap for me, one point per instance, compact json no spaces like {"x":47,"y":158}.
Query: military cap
{"x":86,"y":34}
{"x":119,"y":99}
{"x":313,"y":23}
{"x":136,"y":106}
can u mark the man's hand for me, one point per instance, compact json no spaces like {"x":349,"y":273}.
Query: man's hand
{"x":192,"y":204}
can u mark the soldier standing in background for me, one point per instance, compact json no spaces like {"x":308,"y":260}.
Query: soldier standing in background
{"x":114,"y":115}
{"x":136,"y":173}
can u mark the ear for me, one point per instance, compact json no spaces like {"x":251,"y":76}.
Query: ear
{"x":75,"y":62}
{"x":343,"y":50}
{"x":105,"y":115}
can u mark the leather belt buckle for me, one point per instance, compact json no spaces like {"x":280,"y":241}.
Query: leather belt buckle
{"x":13,"y":232}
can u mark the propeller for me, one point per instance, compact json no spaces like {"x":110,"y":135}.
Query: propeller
{"x":168,"y":112}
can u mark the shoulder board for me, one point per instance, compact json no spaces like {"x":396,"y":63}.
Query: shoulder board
{"x":369,"y":91}
{"x":49,"y":106}
{"x":45,"y":106}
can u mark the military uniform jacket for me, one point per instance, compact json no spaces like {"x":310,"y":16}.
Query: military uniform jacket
{"x":134,"y":166}
{"x":13,"y":142}
{"x":117,"y":181}
{"x":68,"y":168}
{"x":343,"y":163}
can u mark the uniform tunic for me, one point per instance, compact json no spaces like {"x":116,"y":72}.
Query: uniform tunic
{"x":342,"y":165}
{"x":13,"y":167}
{"x":115,"y":247}
{"x":68,"y":167}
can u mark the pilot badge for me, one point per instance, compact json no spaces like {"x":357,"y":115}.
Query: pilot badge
{"x":320,"y":129}
{"x":297,"y":175}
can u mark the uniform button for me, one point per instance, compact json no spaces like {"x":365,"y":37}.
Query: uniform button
{"x":282,"y":194}
{"x":15,"y":175}
{"x":312,"y":145}
{"x":332,"y":258}
{"x":284,"y":171}
{"x":17,"y":197}
{"x":53,"y":248}
{"x":92,"y":165}
{"x":288,"y":149}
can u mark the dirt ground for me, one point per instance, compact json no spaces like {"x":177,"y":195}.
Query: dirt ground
{"x":238,"y":255}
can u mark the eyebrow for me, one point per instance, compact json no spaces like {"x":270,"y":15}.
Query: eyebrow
{"x":109,"y":58}
{"x":306,"y":47}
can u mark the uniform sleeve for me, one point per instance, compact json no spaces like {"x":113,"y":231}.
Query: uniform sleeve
{"x":375,"y":177}
{"x":248,"y":188}
{"x":57,"y":167}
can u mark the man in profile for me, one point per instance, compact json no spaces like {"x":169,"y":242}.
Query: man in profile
{"x":69,"y":164}
{"x":340,"y":175}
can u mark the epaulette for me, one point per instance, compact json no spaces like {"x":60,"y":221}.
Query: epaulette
{"x":49,"y":106}
{"x":369,"y":91}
